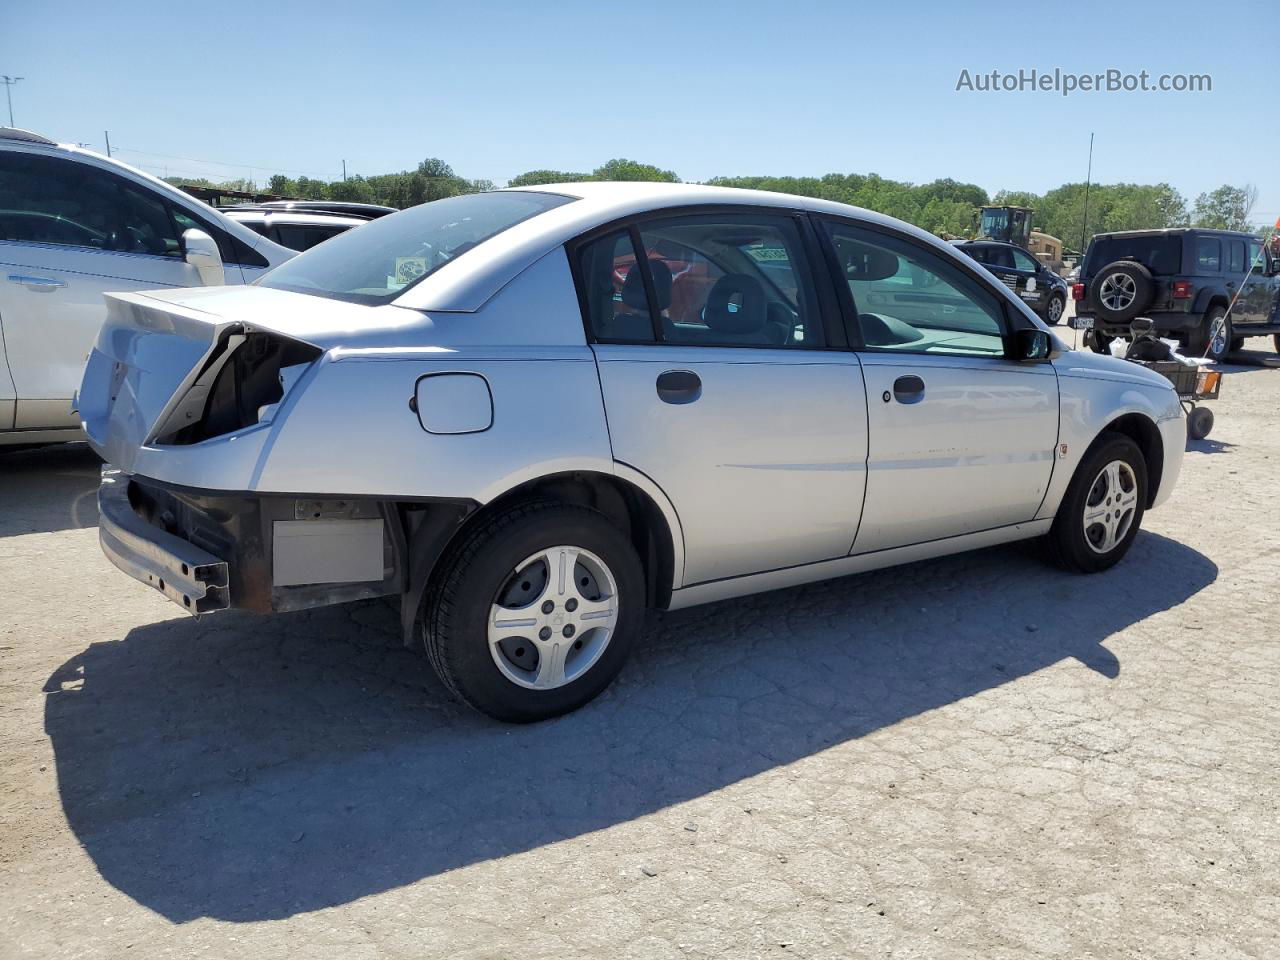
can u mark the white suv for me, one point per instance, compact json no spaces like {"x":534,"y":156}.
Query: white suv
{"x":73,"y":226}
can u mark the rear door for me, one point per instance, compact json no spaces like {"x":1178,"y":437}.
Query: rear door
{"x":720,"y":383}
{"x":70,"y":232}
{"x":961,"y":438}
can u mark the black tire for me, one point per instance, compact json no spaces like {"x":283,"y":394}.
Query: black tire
{"x":456,"y":608}
{"x":1068,"y":542}
{"x":1126,"y":277}
{"x":1061,"y":303}
{"x":1099,"y":342}
{"x":1199,"y":423}
{"x":1198,"y":344}
{"x":1237,"y":344}
{"x":1276,"y":340}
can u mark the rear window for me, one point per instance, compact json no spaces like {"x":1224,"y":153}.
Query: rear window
{"x":1161,"y":255}
{"x":385,"y":257}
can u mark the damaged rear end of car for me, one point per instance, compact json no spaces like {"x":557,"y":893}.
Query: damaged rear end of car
{"x":172,"y":393}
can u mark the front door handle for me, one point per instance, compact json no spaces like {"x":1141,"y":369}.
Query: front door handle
{"x":37,"y":283}
{"x":908,"y":389}
{"x":679,"y":386}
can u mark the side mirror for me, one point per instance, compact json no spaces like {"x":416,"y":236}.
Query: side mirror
{"x":1030,"y":346}
{"x":201,"y":251}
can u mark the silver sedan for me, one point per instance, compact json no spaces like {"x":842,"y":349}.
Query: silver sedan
{"x":531,"y":414}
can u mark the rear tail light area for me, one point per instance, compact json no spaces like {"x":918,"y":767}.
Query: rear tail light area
{"x":1077,"y":291}
{"x":1182,"y":290}
{"x":239,"y":386}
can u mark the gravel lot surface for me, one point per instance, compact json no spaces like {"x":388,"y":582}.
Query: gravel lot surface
{"x":973,"y":757}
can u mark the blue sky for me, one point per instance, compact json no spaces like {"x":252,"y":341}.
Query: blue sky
{"x":704,"y":89}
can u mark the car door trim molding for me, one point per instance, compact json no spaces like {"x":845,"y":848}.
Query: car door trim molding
{"x":709,"y":591}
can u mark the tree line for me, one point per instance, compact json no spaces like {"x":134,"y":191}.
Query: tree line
{"x":943,"y":207}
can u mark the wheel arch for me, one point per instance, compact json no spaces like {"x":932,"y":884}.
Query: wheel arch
{"x":628,"y":498}
{"x":1142,"y":430}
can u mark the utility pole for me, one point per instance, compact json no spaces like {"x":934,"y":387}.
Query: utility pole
{"x":107,"y":135}
{"x":8,"y":90}
{"x":344,"y":171}
{"x":1084,"y":227}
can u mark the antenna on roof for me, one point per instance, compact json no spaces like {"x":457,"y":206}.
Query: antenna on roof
{"x":9,"y":83}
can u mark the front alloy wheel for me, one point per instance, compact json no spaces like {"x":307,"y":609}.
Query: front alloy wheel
{"x":1102,"y":510}
{"x":1110,"y":507}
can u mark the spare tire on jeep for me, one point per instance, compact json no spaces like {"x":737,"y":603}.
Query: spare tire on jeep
{"x":1121,"y":290}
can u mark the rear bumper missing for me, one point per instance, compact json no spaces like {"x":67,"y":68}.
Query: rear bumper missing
{"x":192,"y":578}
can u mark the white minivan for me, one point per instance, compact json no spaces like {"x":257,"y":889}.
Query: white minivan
{"x":73,"y":226}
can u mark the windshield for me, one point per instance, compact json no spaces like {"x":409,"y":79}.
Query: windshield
{"x":1162,"y":255}
{"x":377,"y":261}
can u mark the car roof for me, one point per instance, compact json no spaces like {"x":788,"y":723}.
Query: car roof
{"x":1172,"y":231}
{"x":24,"y":141}
{"x":466,"y":283}
{"x":256,"y":214}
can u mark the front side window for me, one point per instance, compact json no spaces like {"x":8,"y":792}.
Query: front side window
{"x":1024,"y":261}
{"x":911,"y":300}
{"x":382,"y":259}
{"x":1208,"y":254}
{"x":48,"y":200}
{"x":1000,"y":257}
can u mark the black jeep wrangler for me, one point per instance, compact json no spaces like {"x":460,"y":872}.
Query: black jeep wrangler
{"x":1184,"y":280}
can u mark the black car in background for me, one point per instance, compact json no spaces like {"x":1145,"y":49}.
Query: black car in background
{"x":1038,"y":287}
{"x":1184,"y":279}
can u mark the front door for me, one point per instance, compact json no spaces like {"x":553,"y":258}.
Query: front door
{"x":960,"y":439}
{"x":718,"y":385}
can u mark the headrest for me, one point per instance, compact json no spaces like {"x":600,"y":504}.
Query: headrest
{"x":633,"y":287}
{"x":746,"y":294}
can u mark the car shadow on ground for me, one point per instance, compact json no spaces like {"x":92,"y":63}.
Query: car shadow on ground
{"x":49,"y":488}
{"x":254,"y":768}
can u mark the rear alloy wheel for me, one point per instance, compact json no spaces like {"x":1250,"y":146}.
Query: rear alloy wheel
{"x":1103,"y":507}
{"x":535,"y":611}
{"x":1053,"y":313}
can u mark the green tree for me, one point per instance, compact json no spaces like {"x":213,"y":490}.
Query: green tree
{"x":533,"y":178}
{"x":1226,"y":208}
{"x":282,"y":186}
{"x":632,"y":170}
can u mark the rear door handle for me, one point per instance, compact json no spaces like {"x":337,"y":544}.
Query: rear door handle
{"x":37,"y":283}
{"x":908,"y":389}
{"x":679,"y":386}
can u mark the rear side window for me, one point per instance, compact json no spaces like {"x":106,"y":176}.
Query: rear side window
{"x":382,"y":259}
{"x":299,"y":236}
{"x":715,"y":280}
{"x":1236,"y":256}
{"x":617,"y":302}
{"x":1208,"y":254}
{"x":1160,"y":254}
